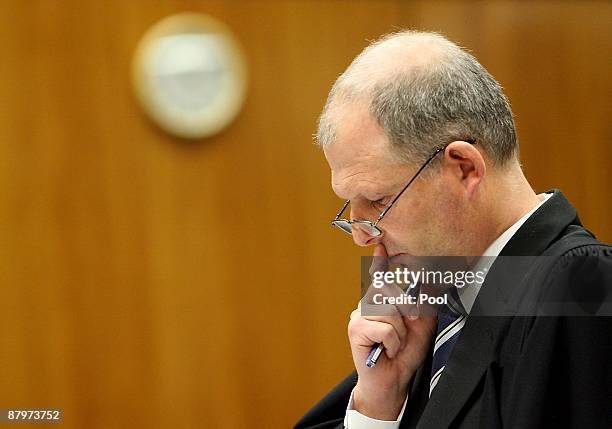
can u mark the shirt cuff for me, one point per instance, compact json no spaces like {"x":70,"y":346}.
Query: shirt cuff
{"x":355,"y":420}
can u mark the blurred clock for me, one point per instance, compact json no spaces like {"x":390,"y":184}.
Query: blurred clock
{"x":190,"y":75}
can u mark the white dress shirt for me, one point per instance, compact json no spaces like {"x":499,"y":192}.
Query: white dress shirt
{"x":354,"y":419}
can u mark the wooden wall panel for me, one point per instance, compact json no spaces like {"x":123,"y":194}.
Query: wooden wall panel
{"x":154,"y":282}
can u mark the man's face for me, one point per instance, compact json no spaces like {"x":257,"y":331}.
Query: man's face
{"x":421,"y":222}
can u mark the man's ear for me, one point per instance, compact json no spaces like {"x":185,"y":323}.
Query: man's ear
{"x":466,"y":164}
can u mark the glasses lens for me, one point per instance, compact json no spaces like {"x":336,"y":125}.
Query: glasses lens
{"x":343,"y":225}
{"x":367,"y":228}
{"x":362,"y":225}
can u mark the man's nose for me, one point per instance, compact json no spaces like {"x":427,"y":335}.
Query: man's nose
{"x":362,"y":238}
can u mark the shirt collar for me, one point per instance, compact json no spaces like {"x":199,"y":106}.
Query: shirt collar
{"x":468,"y":294}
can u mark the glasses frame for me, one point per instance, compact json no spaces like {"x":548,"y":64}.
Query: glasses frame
{"x":375,"y":231}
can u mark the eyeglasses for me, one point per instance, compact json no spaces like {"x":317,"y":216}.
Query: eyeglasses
{"x":371,"y":228}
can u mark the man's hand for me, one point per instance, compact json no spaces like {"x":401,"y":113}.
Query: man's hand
{"x":381,"y":390}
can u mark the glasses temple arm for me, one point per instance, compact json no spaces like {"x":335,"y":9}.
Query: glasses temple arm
{"x":409,"y":183}
{"x":342,"y":209}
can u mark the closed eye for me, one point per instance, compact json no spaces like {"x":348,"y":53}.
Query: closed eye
{"x":380,"y":203}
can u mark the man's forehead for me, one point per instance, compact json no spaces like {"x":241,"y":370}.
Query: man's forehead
{"x":343,"y":155}
{"x":362,"y":174}
{"x":360,"y":156}
{"x":350,"y":183}
{"x":359,"y":139}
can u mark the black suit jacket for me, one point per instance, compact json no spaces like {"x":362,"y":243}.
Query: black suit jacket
{"x":518,"y":371}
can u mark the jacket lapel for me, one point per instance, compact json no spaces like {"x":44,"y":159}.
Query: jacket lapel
{"x":477,"y":344}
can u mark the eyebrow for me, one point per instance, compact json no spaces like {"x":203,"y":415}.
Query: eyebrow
{"x":374,"y":190}
{"x":369,"y":197}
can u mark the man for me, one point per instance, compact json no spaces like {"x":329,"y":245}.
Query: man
{"x":421,"y":143}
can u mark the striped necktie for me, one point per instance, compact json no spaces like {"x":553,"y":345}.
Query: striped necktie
{"x":451,"y":319}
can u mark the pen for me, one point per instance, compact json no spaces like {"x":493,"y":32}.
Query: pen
{"x":374,"y":354}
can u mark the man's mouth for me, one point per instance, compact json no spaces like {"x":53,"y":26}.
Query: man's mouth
{"x":397,"y":258}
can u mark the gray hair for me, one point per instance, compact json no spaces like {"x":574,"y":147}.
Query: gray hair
{"x":424,"y":101}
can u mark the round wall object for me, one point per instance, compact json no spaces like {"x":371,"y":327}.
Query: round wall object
{"x":190,"y":75}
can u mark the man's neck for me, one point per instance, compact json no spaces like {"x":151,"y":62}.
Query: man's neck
{"x":510,"y":201}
